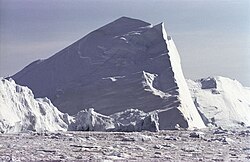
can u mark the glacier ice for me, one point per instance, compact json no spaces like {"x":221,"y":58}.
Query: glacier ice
{"x":136,"y":120}
{"x":89,"y":120}
{"x":221,"y":101}
{"x":143,"y":54}
{"x":127,"y":121}
{"x":20,"y":111}
{"x":128,"y":67}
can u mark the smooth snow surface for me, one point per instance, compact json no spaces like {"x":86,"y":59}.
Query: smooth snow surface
{"x":143,"y":56}
{"x":221,"y":101}
{"x":19,"y":111}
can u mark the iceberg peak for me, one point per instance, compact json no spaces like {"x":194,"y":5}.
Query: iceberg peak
{"x":123,"y":25}
{"x":125,"y":47}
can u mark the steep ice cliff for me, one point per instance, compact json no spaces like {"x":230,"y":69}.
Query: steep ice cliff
{"x":20,"y":111}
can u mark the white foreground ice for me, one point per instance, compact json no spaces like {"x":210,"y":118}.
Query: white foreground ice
{"x":20,"y":111}
{"x":221,"y":102}
{"x":127,"y":121}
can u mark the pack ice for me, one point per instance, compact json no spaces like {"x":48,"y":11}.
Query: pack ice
{"x":221,"y":101}
{"x":126,"y":64}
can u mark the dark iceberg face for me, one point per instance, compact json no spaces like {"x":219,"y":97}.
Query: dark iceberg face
{"x":125,"y":64}
{"x":208,"y":83}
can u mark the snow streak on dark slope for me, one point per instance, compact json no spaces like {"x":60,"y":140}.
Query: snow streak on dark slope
{"x":125,"y":64}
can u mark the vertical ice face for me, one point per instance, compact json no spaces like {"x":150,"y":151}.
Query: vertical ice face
{"x":125,"y":64}
{"x":19,"y":111}
{"x":187,"y":106}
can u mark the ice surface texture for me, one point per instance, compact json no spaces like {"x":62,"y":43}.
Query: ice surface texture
{"x":221,"y":101}
{"x":20,"y":111}
{"x":226,"y":106}
{"x":127,"y":121}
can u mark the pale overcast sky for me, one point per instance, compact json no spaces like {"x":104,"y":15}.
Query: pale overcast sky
{"x":212,"y":36}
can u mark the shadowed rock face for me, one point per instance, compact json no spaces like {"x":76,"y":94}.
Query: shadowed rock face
{"x":125,"y":64}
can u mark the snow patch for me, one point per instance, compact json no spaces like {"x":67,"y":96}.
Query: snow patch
{"x":114,"y":78}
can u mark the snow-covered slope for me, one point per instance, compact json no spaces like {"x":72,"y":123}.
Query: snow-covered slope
{"x":125,"y":64}
{"x":221,"y":101}
{"x":19,"y":111}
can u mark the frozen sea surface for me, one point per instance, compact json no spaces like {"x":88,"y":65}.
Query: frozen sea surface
{"x":174,"y":145}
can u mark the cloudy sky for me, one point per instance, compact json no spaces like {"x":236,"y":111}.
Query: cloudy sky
{"x":212,"y":36}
